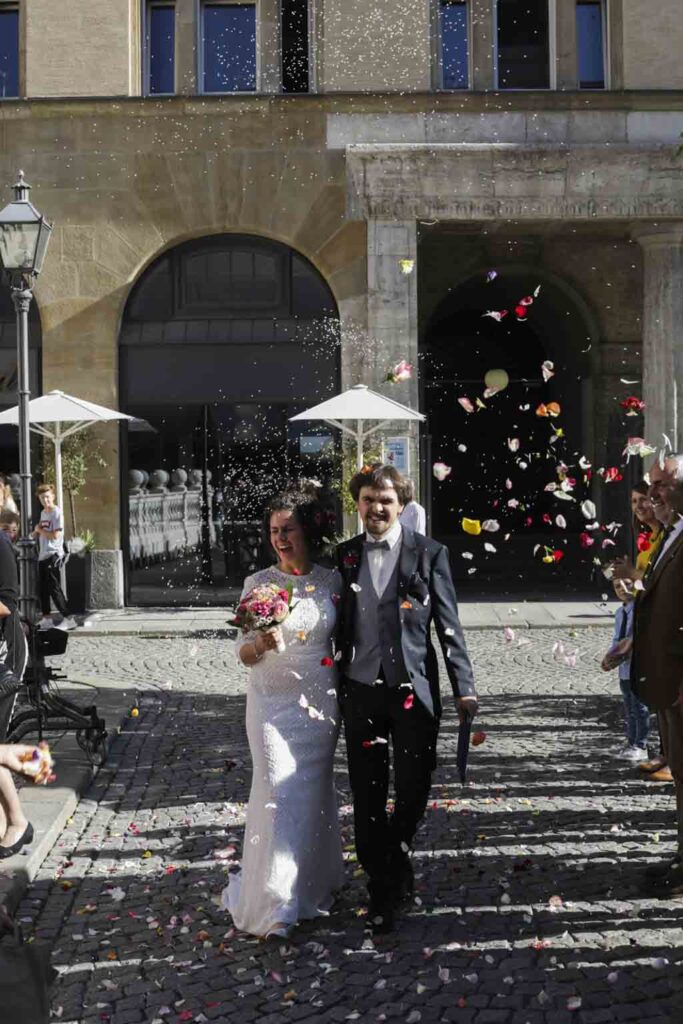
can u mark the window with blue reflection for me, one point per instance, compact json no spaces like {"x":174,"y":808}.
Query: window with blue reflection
{"x":229,"y":47}
{"x":160,"y":49}
{"x":590,"y":45}
{"x":9,"y":51}
{"x":454,"y":51}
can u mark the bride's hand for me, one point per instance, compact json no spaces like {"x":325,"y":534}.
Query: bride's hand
{"x":268,"y":640}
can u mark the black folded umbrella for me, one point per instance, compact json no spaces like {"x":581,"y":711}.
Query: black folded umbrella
{"x":464,"y":734}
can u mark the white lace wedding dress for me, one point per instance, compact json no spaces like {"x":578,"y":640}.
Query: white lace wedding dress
{"x":292,"y":857}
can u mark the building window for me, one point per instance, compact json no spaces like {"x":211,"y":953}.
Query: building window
{"x":454,"y":44}
{"x":590,"y":44}
{"x":295,"y":67}
{"x":523,"y":41}
{"x":229,"y":47}
{"x":9,"y":50}
{"x":160,"y":49}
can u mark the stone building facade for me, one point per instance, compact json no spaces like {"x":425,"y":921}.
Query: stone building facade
{"x":578,"y":190}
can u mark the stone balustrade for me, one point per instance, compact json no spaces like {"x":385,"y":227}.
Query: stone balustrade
{"x":165,"y":513}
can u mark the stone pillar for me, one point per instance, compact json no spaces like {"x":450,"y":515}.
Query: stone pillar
{"x":187,"y":34}
{"x":269,"y":43}
{"x":392,"y":304}
{"x":483,"y":46}
{"x":566,"y":69}
{"x":392,"y":318}
{"x":662,"y":246}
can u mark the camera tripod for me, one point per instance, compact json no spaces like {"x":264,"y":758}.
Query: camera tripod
{"x":42,"y":710}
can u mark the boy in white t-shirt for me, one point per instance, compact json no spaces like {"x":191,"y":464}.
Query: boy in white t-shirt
{"x":50,"y":534}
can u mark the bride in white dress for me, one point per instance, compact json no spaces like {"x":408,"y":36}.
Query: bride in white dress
{"x":292,"y":856}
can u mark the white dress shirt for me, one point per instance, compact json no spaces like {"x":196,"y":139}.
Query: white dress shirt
{"x":676,"y":532}
{"x":380,"y":561}
{"x":414,"y":517}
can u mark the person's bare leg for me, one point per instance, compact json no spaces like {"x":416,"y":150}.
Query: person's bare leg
{"x":15,"y":819}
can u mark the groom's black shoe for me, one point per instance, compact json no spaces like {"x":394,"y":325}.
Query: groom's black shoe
{"x":381,"y":916}
{"x":402,"y":879}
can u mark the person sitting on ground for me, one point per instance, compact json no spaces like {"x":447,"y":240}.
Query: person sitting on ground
{"x":413,"y":515}
{"x":50,"y":534}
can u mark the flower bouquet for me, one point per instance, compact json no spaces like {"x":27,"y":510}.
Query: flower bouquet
{"x":38,"y":764}
{"x":262,"y":608}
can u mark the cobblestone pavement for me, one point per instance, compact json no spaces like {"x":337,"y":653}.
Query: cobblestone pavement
{"x":528,"y":906}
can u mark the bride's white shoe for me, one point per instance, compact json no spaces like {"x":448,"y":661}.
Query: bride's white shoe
{"x":278,"y":931}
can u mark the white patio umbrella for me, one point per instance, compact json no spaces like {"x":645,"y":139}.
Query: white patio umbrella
{"x":57,"y":416}
{"x":359,"y":406}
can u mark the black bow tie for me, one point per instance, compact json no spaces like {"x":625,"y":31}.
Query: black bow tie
{"x":377,"y":545}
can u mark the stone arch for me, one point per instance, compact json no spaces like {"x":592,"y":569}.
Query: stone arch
{"x":458,"y":345}
{"x":222,"y":339}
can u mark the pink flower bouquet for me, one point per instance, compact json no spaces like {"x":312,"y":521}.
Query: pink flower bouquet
{"x":262,"y":608}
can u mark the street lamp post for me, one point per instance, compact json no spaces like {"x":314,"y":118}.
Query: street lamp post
{"x":24,"y":237}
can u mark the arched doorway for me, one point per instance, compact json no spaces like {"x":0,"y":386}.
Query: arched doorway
{"x":223,"y":339}
{"x":460,"y":344}
{"x":9,"y":436}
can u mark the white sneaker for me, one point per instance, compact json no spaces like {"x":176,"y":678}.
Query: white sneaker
{"x":46,"y":623}
{"x":67,"y":624}
{"x":633,"y":754}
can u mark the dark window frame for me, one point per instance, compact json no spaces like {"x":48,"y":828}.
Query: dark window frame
{"x":287,"y":74}
{"x":549,"y":49}
{"x":201,"y":59}
{"x":13,"y":8}
{"x":148,"y":7}
{"x":596,"y":84}
{"x":442,"y":4}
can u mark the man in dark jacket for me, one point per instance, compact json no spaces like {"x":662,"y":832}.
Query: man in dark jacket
{"x":657,"y":667}
{"x":396,"y":583}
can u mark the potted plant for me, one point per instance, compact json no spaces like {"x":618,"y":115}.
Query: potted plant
{"x":78,"y":572}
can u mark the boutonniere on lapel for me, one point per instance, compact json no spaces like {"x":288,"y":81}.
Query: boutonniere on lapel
{"x":351,"y":560}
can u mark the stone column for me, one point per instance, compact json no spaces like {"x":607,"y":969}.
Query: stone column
{"x":392,"y":317}
{"x":186,"y":36}
{"x":482,"y":46}
{"x":566,"y":70}
{"x":392,"y":304}
{"x":662,"y":246}
{"x":269,"y":42}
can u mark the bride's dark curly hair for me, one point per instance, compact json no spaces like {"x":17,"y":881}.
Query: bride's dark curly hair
{"x":315,"y":516}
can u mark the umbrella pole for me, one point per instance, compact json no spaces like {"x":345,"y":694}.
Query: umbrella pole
{"x":59,"y":484}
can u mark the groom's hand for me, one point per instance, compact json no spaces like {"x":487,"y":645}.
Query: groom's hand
{"x":467,"y":706}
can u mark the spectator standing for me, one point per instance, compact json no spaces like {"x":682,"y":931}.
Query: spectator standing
{"x":658,"y":644}
{"x":50,"y":534}
{"x":6,"y":497}
{"x":413,"y":515}
{"x":636,"y":714}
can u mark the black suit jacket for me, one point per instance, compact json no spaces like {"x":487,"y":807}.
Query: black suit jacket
{"x":657,"y":665}
{"x":425,"y":594}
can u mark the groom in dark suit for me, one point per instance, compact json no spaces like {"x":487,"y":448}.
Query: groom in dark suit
{"x":396,"y":583}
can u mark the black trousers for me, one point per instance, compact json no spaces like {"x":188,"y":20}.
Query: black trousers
{"x":374,"y":713}
{"x":50,"y":586}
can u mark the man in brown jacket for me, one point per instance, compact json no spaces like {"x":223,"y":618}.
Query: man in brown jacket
{"x":658,"y":645}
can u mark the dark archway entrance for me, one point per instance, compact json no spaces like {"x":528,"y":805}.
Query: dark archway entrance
{"x":459,"y":346}
{"x":223,"y":339}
